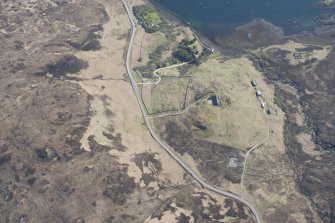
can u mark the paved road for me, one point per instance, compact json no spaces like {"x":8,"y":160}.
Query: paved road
{"x":174,"y":113}
{"x":163,"y":68}
{"x":168,"y":149}
{"x":160,"y":115}
{"x":152,"y":83}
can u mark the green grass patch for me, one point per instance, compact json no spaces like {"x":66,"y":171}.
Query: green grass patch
{"x":159,"y":40}
{"x":150,"y":19}
{"x":168,"y":95}
{"x":153,"y":18}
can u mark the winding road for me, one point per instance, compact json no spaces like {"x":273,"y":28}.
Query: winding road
{"x":163,"y":68}
{"x":175,"y":113}
{"x":160,"y":115}
{"x":167,"y":148}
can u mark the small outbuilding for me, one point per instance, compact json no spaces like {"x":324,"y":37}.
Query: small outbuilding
{"x":214,"y":100}
{"x":253,"y":83}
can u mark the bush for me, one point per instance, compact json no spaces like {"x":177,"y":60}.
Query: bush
{"x":148,"y":18}
{"x":185,"y":53}
{"x":154,"y":62}
{"x":152,"y":22}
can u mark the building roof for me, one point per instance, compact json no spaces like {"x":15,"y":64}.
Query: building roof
{"x":215,"y":100}
{"x":253,"y":82}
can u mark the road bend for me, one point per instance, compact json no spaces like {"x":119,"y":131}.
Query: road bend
{"x":167,"y":148}
{"x":160,"y":69}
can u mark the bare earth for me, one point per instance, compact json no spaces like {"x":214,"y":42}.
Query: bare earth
{"x":74,"y":146}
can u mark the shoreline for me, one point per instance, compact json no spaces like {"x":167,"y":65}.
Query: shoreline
{"x":327,"y":19}
{"x":321,"y":4}
{"x":166,"y":147}
{"x":229,"y":51}
{"x":225,"y":51}
{"x":175,"y":20}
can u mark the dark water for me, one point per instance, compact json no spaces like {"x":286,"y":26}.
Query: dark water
{"x":218,"y":17}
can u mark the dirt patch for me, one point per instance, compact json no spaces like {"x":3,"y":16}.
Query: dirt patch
{"x":314,"y":182}
{"x":88,"y":40}
{"x":196,"y":206}
{"x":307,"y":137}
{"x":313,"y":79}
{"x":212,"y":159}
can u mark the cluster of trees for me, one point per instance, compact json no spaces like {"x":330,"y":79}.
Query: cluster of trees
{"x":155,"y":57}
{"x":152,"y":22}
{"x":186,"y":53}
{"x":205,"y":53}
{"x":154,"y":62}
{"x":144,"y":16}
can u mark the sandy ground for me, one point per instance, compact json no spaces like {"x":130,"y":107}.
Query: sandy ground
{"x":115,"y":111}
{"x":241,"y":124}
{"x":109,"y":61}
{"x":168,"y":216}
{"x":269,"y":177}
{"x":208,"y":200}
{"x":141,"y":42}
{"x":114,"y":107}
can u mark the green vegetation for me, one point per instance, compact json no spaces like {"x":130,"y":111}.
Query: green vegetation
{"x":168,"y":95}
{"x":153,"y":18}
{"x":155,"y":62}
{"x":155,"y":58}
{"x":156,"y":55}
{"x":159,"y":40}
{"x":147,"y":17}
{"x":151,"y":21}
{"x":205,"y":54}
{"x":185,"y":52}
